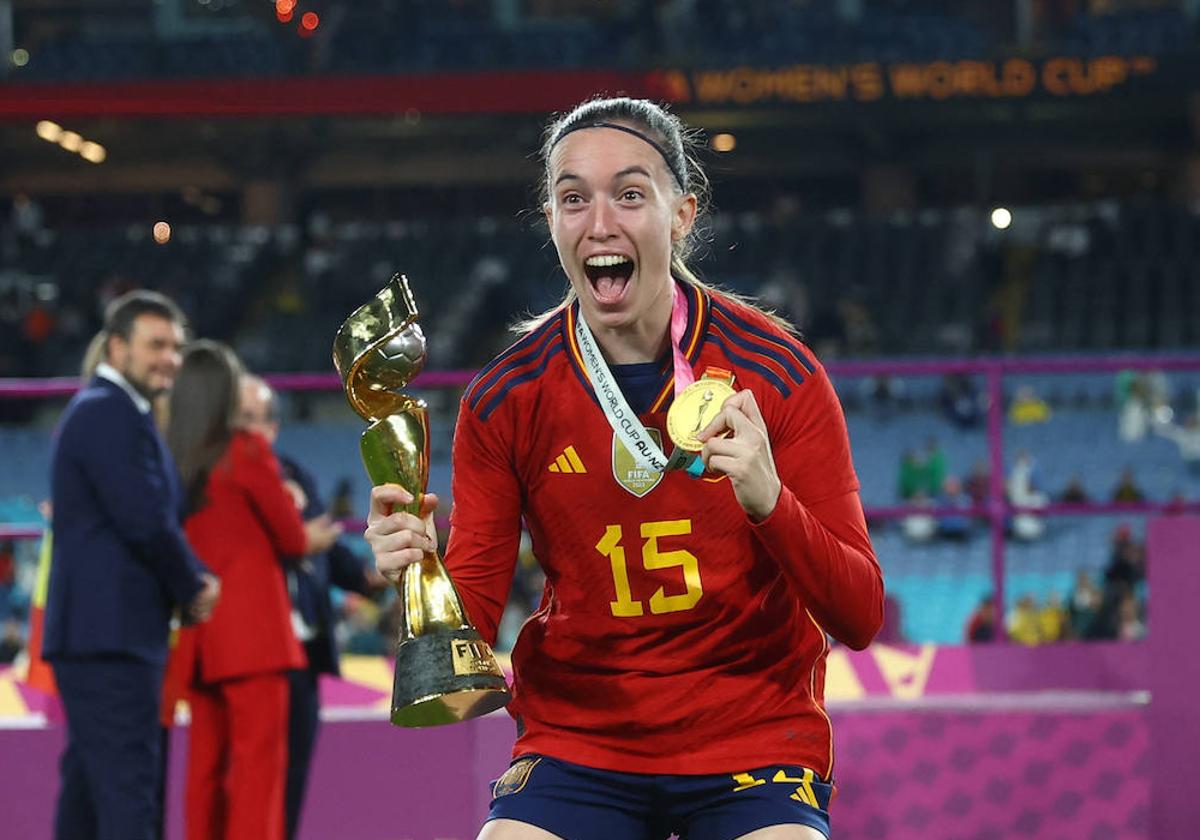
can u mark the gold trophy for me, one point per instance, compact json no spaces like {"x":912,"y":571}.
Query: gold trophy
{"x":445,"y":672}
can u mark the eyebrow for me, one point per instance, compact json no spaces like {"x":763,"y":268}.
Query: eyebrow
{"x":628,"y":170}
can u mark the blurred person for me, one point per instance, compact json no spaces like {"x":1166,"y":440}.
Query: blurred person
{"x":1084,"y":605}
{"x":12,"y":641}
{"x":309,"y":581}
{"x":1024,"y":490}
{"x":910,"y":477}
{"x":243,"y":521}
{"x":981,"y":626}
{"x":1075,"y":493}
{"x":1187,"y":438}
{"x":767,"y":554}
{"x":979,"y":483}
{"x":1127,"y":490}
{"x":37,"y":671}
{"x":955,"y":526}
{"x":933,"y":468}
{"x":1130,"y":627}
{"x":342,"y":504}
{"x":120,"y":563}
{"x":1052,"y":619}
{"x":1024,"y":628}
{"x":1028,"y":408}
{"x":960,"y":400}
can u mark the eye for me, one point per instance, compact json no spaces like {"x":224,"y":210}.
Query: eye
{"x":631,"y":195}
{"x":570,"y":198}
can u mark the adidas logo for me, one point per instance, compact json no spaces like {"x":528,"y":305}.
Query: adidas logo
{"x":568,"y":462}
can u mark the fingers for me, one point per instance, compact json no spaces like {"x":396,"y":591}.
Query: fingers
{"x":384,"y":498}
{"x":738,"y":414}
{"x":429,"y":503}
{"x":397,"y":541}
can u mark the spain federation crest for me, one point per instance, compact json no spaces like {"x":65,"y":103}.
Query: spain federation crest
{"x":515,"y":777}
{"x":631,"y":475}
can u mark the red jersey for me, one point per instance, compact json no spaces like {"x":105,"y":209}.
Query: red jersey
{"x":675,"y":635}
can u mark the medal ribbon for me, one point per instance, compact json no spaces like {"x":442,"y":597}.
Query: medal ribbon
{"x":621,"y":417}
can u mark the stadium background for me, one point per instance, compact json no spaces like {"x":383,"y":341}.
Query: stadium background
{"x":985,"y":217}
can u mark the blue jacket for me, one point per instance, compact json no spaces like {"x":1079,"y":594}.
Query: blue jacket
{"x":310,"y":580}
{"x":121,"y":562}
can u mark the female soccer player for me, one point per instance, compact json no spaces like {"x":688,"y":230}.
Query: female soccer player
{"x":672,"y":680}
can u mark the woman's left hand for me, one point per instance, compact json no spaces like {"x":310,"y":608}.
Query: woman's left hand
{"x":744,"y":454}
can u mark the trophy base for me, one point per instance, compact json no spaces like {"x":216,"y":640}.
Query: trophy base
{"x":445,"y":677}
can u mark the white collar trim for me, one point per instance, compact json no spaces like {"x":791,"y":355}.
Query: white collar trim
{"x":107,"y":371}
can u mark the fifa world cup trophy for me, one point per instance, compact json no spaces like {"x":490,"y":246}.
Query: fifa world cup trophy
{"x":445,"y":672}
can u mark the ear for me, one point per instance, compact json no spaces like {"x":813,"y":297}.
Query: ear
{"x":684,"y":218}
{"x":115,"y":348}
{"x":549,"y":212}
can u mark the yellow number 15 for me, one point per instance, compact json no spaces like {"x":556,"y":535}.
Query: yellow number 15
{"x":652,"y":559}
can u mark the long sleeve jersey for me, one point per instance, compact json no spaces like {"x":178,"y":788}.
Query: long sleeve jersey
{"x":675,"y":634}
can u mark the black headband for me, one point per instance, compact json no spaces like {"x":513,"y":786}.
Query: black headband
{"x":627,"y":130}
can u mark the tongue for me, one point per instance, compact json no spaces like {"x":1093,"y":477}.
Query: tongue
{"x":609,"y":288}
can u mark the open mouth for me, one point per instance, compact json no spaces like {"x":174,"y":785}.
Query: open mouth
{"x":609,"y":276}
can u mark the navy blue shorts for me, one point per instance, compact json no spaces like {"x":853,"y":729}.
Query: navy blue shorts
{"x":582,"y":803}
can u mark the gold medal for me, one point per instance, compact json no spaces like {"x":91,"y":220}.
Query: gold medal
{"x":696,"y":406}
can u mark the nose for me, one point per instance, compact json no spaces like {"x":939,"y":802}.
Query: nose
{"x":602,"y":221}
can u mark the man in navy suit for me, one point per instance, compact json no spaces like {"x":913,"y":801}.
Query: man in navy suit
{"x":120,"y":566}
{"x":312,"y":609}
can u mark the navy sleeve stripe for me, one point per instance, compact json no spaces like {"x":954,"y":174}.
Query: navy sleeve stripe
{"x":522,"y":352}
{"x":766,"y":353}
{"x":532,"y":373}
{"x":791,"y":347}
{"x":761,"y":353}
{"x":718,"y":337}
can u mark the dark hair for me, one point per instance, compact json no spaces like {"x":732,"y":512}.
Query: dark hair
{"x":204,"y":405}
{"x":120,"y":314}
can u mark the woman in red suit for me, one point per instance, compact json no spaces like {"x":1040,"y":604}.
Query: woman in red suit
{"x":244,"y":522}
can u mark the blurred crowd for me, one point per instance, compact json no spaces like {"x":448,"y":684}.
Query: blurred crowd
{"x":1113,"y":608}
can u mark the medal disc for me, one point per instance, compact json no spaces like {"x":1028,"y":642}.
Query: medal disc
{"x":695,"y":408}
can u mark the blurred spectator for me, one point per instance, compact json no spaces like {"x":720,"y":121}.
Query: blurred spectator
{"x":911,"y":477}
{"x":360,"y":630}
{"x":1142,"y":399}
{"x":1127,"y":489}
{"x":1187,"y":438}
{"x":243,"y":521}
{"x":1028,"y":408}
{"x":954,"y":526}
{"x":1084,"y":606}
{"x":919,"y":527}
{"x":1126,"y":561}
{"x":309,"y":582}
{"x":1024,"y":491}
{"x":979,"y":483}
{"x":8,"y":573}
{"x":342,"y":504}
{"x":960,"y":400}
{"x":883,"y":393}
{"x":1129,"y":621}
{"x":1075,"y":493}
{"x":981,"y":626}
{"x":1024,"y":623}
{"x":933,"y":468}
{"x":1052,"y":619}
{"x":26,"y":220}
{"x":11,"y":641}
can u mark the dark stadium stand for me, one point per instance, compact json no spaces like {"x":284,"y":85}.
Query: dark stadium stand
{"x":416,"y":37}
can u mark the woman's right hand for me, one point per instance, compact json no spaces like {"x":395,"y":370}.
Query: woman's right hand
{"x":399,"y":539}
